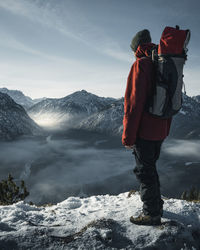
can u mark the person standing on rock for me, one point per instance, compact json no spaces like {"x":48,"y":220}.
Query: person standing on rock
{"x":142,"y":132}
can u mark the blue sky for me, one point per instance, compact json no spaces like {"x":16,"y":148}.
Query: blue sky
{"x":55,"y":47}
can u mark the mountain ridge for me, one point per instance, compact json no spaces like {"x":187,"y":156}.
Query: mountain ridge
{"x":19,"y":97}
{"x":14,"y":120}
{"x":87,"y":111}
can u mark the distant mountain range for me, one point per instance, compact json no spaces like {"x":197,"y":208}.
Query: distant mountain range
{"x":86,"y":111}
{"x":14,"y":120}
{"x":185,"y":125}
{"x":20,"y":98}
{"x":94,"y":113}
{"x":69,"y":110}
{"x":108,"y":120}
{"x":80,"y":102}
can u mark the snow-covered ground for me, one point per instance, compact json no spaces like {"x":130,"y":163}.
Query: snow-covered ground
{"x":98,"y":222}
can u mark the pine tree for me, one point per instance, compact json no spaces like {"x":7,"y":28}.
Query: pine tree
{"x":10,"y":192}
{"x":192,"y":195}
{"x":184,"y":195}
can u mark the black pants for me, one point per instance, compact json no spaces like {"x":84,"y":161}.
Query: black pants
{"x":146,"y":154}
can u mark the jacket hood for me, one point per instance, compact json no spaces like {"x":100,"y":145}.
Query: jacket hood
{"x":144,"y":49}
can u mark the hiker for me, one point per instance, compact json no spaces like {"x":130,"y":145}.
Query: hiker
{"x":142,"y":132}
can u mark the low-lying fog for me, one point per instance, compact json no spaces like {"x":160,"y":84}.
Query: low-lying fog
{"x":55,"y":167}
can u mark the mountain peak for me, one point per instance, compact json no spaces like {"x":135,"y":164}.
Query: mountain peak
{"x":13,"y":91}
{"x":19,"y":97}
{"x":84,"y":91}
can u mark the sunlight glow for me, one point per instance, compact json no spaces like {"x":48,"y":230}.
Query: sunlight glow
{"x":50,"y":119}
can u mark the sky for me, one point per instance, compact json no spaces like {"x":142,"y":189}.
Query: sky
{"x":52,"y":48}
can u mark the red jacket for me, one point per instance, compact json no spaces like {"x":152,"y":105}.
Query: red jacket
{"x":136,"y":121}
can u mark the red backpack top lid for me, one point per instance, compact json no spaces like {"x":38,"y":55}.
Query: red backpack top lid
{"x":173,"y":41}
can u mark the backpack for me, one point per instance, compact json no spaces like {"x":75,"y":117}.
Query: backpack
{"x":168,"y":58}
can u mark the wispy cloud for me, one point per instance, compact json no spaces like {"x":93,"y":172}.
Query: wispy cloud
{"x":118,"y":54}
{"x":49,"y":14}
{"x":12,"y":43}
{"x":46,"y":71}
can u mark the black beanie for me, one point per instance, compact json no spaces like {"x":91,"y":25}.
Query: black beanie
{"x":142,"y":36}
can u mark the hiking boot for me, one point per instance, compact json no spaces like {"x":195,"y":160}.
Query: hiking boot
{"x":146,"y":220}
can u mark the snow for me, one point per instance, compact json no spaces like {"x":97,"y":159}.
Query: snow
{"x":64,"y":225}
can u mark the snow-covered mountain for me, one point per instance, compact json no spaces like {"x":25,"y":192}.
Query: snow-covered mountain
{"x":14,"y":120}
{"x":186,"y":124}
{"x":84,"y":110}
{"x":20,"y":98}
{"x":79,"y":102}
{"x":98,"y":222}
{"x":69,"y":109}
{"x":109,"y":120}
